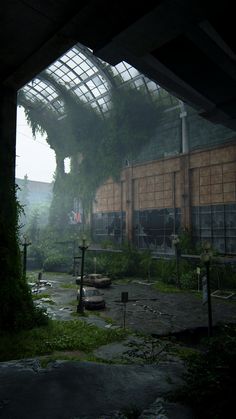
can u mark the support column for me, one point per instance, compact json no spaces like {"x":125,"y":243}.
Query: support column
{"x":16,"y":305}
{"x":185,"y":192}
{"x":8,"y":216}
{"x":184,"y":130}
{"x":129,"y":203}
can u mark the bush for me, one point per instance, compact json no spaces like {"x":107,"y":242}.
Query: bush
{"x":36,"y":252}
{"x":116,"y":265}
{"x":223,"y":277}
{"x":56,"y":263}
{"x":188,"y":280}
{"x":210,"y":381}
{"x":165,"y":270}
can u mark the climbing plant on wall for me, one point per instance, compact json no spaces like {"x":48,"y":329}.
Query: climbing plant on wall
{"x":97,"y":144}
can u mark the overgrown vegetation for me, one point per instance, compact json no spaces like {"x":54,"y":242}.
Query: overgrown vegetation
{"x":135,"y":263}
{"x":53,"y":255}
{"x":149,"y":350}
{"x":97,"y":144}
{"x":17,"y":310}
{"x":56,"y":336}
{"x":210,"y":381}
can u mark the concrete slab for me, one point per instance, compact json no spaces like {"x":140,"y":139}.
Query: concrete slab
{"x":69,"y":390}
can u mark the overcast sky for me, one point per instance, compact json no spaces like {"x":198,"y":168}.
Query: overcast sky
{"x":34,"y":156}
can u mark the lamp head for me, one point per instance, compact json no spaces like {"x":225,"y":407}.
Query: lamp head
{"x":175,"y":239}
{"x":206,"y":246}
{"x":84,"y":244}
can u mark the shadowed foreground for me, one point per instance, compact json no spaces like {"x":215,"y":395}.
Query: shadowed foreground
{"x":67,"y":390}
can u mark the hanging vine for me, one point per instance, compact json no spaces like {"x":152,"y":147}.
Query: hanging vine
{"x":99,"y":144}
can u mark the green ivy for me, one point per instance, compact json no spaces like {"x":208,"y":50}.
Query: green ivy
{"x":101,"y":143}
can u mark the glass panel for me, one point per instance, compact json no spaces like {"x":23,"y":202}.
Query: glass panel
{"x":231,"y":245}
{"x":206,"y":221}
{"x":219,"y":244}
{"x":217,"y":220}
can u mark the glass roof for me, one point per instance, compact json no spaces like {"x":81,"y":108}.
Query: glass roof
{"x":88,"y":78}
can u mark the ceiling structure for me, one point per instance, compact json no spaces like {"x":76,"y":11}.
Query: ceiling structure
{"x":89,"y":79}
{"x":185,"y":46}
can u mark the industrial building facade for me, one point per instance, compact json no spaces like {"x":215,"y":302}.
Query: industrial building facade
{"x":193,"y":191}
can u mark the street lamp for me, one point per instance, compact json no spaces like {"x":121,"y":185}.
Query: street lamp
{"x":175,"y":243}
{"x":25,"y":245}
{"x":83,"y":247}
{"x":206,"y":258}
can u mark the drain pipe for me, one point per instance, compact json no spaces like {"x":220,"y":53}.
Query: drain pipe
{"x":183,"y":116}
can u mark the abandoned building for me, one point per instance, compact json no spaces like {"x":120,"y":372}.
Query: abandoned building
{"x":185,"y":47}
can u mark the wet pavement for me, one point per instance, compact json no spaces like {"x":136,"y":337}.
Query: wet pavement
{"x":152,"y":312}
{"x":82,"y":390}
{"x":147,"y":311}
{"x":92,"y":390}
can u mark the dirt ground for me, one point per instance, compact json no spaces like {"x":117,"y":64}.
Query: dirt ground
{"x":147,"y":310}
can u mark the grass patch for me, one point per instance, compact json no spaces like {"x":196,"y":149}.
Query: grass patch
{"x":122,"y":281}
{"x":32,"y":276}
{"x":163,"y":287}
{"x":39,"y":296}
{"x":70,"y":286}
{"x":56,"y":336}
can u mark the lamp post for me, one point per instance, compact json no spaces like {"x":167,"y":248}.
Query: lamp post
{"x":25,"y":245}
{"x":175,"y":243}
{"x":83,"y":247}
{"x":206,"y":258}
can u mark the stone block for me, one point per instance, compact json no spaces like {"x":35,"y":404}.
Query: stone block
{"x":150,"y":180}
{"x":216,"y":170}
{"x":230,"y":177}
{"x":229,"y":187}
{"x":229,"y":167}
{"x":205,"y":199}
{"x":194,"y":174}
{"x":149,"y":196}
{"x":159,"y":187}
{"x":159,"y":203}
{"x":168,"y":194}
{"x":167,"y":186}
{"x":168,"y":203}
{"x":205,"y":171}
{"x":205,"y":190}
{"x":159,"y":167}
{"x":215,"y":189}
{"x":199,"y":159}
{"x":229,"y":197}
{"x":216,"y":179}
{"x":171,"y":165}
{"x":205,"y":180}
{"x":159,"y":195}
{"x":159,"y":178}
{"x":217,"y":156}
{"x":151,"y":187}
{"x":217,"y":198}
{"x":167,"y":177}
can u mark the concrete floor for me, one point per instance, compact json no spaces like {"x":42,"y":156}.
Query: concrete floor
{"x":88,"y":390}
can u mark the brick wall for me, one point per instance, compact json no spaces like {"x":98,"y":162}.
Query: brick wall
{"x":205,"y":177}
{"x":213,"y":176}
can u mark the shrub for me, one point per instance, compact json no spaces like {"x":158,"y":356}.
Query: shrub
{"x":165,"y":270}
{"x":210,"y":380}
{"x":56,"y":263}
{"x":116,"y":265}
{"x":188,"y":280}
{"x":223,"y":277}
